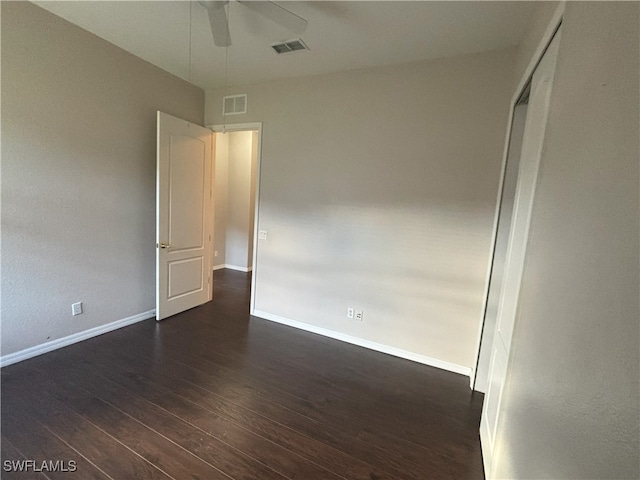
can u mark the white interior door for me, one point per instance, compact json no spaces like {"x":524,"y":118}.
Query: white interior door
{"x":535,"y":125}
{"x":184,"y":216}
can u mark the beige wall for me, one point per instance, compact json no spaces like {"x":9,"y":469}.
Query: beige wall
{"x":240,"y":201}
{"x":378,"y":191}
{"x":221,"y":195}
{"x":78,"y":176}
{"x":571,"y":401}
{"x":538,"y":23}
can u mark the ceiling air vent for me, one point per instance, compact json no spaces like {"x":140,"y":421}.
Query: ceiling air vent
{"x":290,"y":46}
{"x":234,"y":104}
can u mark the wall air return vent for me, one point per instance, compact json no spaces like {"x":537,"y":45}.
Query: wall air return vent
{"x":290,"y":46}
{"x":234,"y":104}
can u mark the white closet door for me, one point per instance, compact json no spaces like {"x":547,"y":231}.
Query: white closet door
{"x":534,"y":130}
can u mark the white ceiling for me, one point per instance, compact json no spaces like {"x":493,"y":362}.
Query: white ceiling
{"x":342,"y":35}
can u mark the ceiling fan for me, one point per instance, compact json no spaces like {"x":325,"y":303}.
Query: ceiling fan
{"x":271,"y":10}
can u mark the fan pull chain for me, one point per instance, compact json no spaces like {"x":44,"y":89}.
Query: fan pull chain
{"x":190,"y":36}
{"x":226,"y":65}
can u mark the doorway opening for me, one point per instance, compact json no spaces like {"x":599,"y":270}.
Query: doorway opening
{"x":236,"y":180}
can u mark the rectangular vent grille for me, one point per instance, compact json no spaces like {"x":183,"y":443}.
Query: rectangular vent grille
{"x":234,"y":104}
{"x":290,"y":46}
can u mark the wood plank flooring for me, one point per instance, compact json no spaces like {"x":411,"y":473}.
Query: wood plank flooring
{"x":216,"y":394}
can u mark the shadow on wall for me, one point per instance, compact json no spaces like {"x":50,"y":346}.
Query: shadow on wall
{"x":417,"y":274}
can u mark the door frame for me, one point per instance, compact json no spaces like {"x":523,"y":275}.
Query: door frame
{"x":244,"y":127}
{"x":552,"y":27}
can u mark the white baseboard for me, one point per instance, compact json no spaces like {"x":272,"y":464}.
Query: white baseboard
{"x":232,"y":267}
{"x":378,"y":347}
{"x":74,"y":338}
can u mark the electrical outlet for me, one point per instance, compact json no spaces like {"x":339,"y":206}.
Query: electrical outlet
{"x":76,"y":308}
{"x":359,"y":315}
{"x":350,"y":312}
{"x":215,"y":253}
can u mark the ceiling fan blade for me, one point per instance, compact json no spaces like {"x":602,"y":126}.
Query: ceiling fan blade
{"x":278,"y":14}
{"x":218,"y":21}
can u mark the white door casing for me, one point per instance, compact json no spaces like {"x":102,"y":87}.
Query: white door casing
{"x":184,"y":215}
{"x":536,"y":121}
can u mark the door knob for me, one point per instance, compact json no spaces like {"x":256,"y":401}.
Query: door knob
{"x":164,"y":245}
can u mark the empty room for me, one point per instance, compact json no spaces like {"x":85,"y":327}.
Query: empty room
{"x":320,"y":240}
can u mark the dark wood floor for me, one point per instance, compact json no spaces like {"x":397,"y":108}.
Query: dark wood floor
{"x":215,"y":394}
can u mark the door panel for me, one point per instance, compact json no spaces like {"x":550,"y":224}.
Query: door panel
{"x":184,"y":216}
{"x":492,"y":399}
{"x":185,"y":277}
{"x":187,"y":172}
{"x":507,"y":199}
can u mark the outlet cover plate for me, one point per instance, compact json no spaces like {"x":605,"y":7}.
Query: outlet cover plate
{"x":76,"y":308}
